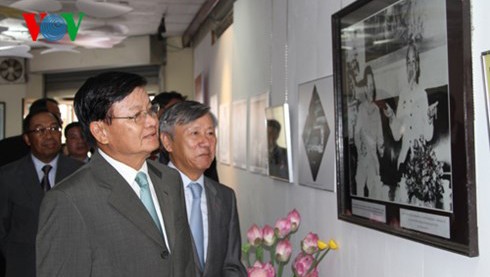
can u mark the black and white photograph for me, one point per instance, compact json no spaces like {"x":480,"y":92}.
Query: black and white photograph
{"x":405,"y":163}
{"x":257,"y":136}
{"x":279,"y":143}
{"x":316,"y":134}
{"x":398,"y":107}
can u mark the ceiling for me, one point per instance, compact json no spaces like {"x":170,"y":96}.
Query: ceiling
{"x":139,"y":17}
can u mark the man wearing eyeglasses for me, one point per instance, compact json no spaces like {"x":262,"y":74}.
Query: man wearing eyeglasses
{"x":23,"y":184}
{"x":119,"y":215}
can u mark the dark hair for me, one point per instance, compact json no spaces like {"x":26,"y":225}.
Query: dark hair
{"x":272,"y":123}
{"x":412,"y":46}
{"x":27,"y":121}
{"x":72,"y":125}
{"x":97,"y":95}
{"x":182,"y":113}
{"x":369,"y":71}
{"x":165,"y":97}
{"x":41,"y":104}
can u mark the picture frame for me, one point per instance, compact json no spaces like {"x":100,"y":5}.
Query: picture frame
{"x":224,"y":148}
{"x":485,"y":56}
{"x":280,"y":160}
{"x":2,"y":120}
{"x":239,"y":133}
{"x":257,"y":135}
{"x":316,"y":123}
{"x":404,"y":120}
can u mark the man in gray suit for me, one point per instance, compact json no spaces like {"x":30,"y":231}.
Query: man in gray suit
{"x":22,"y":187}
{"x":120,"y":215}
{"x":187,"y":131}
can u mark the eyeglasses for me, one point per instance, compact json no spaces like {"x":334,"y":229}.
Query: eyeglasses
{"x":140,"y":116}
{"x":42,"y":131}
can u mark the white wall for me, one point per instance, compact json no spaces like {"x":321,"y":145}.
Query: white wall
{"x":246,"y":49}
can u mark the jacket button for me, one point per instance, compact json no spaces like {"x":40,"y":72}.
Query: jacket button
{"x":164,"y":254}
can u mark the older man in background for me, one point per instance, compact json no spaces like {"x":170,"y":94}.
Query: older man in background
{"x":187,"y":131}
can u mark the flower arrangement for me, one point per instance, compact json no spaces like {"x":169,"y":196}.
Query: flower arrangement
{"x":424,"y":174}
{"x":276,"y":241}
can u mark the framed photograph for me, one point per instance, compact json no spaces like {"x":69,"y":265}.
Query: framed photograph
{"x":257,"y":136}
{"x":279,"y":143}
{"x":224,"y":155}
{"x":486,"y":75}
{"x":2,"y":120}
{"x":239,"y":133}
{"x":316,"y":139}
{"x":404,"y":120}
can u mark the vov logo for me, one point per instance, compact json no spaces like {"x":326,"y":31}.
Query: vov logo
{"x":53,"y":27}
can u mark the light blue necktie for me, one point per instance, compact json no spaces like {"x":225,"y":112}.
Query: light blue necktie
{"x":145,"y":196}
{"x":196,"y":221}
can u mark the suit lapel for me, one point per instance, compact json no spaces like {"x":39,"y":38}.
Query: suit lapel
{"x":164,"y":201}
{"x":215,"y":207}
{"x":123,"y":198}
{"x":29,"y":179}
{"x":63,"y":168}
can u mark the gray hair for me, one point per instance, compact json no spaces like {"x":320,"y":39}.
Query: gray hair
{"x":183,"y":113}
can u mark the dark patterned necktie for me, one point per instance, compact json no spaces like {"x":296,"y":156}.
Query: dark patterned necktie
{"x":45,"y":180}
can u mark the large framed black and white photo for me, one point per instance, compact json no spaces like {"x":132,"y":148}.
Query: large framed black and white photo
{"x":404,"y":120}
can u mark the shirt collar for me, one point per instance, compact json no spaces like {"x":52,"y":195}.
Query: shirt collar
{"x":186,"y":180}
{"x":38,"y":164}
{"x":127,"y":172}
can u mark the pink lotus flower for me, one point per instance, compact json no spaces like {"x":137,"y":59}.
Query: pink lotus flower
{"x":254,"y":235}
{"x":310,"y":243}
{"x":269,"y":236}
{"x":261,"y":270}
{"x":295,"y":220}
{"x":282,"y":227}
{"x":302,"y":264}
{"x":283,"y":251}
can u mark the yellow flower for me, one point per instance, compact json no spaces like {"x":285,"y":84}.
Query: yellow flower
{"x":321,"y":245}
{"x":332,"y":244}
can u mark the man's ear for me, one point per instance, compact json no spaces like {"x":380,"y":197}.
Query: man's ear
{"x":98,"y":129}
{"x":26,"y":139}
{"x":166,"y":142}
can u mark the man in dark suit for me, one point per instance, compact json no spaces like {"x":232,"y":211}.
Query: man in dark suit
{"x":119,"y":215}
{"x":165,"y":100}
{"x":14,"y":148}
{"x":22,"y":187}
{"x":187,"y":131}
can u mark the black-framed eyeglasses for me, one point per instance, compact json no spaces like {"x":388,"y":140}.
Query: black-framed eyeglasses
{"x":42,"y":131}
{"x":139,"y":117}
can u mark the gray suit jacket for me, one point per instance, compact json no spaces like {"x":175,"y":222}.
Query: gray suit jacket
{"x":20,"y":199}
{"x":93,"y":224}
{"x":224,"y":240}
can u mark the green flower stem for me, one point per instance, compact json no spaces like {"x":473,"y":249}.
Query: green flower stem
{"x":279,"y":270}
{"x":273,"y":254}
{"x":317,"y":261}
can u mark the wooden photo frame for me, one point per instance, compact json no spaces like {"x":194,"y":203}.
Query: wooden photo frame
{"x":404,"y":120}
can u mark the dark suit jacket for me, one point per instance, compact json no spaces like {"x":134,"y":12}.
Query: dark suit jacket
{"x":93,"y":224}
{"x":224,"y":240}
{"x":20,"y":199}
{"x":12,"y":149}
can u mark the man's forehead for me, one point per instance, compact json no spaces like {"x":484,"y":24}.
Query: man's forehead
{"x":43,"y":118}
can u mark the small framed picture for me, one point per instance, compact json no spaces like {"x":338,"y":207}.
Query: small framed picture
{"x":279,"y":143}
